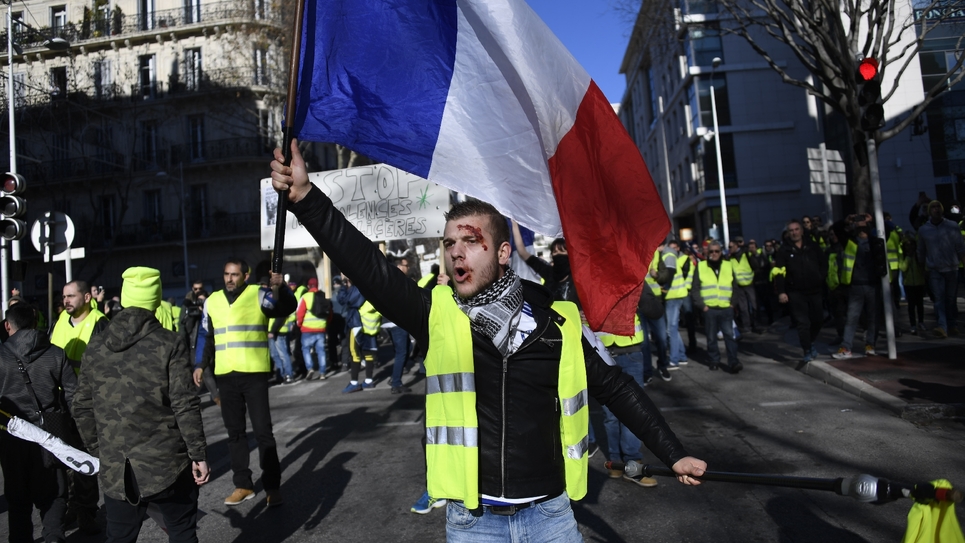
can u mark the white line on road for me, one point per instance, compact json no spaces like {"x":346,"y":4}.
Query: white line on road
{"x":782,"y":404}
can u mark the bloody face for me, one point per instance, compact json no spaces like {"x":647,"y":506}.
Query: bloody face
{"x":473,"y":260}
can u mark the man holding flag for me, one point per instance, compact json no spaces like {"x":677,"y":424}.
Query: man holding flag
{"x":508,"y":373}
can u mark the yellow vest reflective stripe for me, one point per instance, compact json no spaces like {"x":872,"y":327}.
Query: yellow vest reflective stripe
{"x":74,"y":339}
{"x":240,"y":333}
{"x":165,"y":315}
{"x":610,"y":340}
{"x":310,"y":320}
{"x":847,"y":261}
{"x":743,"y":270}
{"x":424,"y":280}
{"x":834,"y":277}
{"x":715,"y":289}
{"x":452,"y":428}
{"x":371,"y":319}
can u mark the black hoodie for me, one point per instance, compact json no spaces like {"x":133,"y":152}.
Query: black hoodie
{"x":49,"y":372}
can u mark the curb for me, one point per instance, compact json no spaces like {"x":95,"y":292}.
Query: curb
{"x":920,"y":413}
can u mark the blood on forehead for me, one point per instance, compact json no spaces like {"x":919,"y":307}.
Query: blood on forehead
{"x":476,"y":232}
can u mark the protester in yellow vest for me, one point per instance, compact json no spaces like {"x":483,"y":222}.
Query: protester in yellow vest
{"x":675,"y":296}
{"x":362,"y":341}
{"x":713,"y":288}
{"x":312,"y":316}
{"x":625,"y":458}
{"x":165,"y":315}
{"x":236,"y":341}
{"x":75,"y":326}
{"x":508,"y":371}
{"x":745,"y":296}
{"x":913,"y":277}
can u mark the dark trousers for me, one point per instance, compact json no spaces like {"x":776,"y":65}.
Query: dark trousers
{"x":400,"y":340}
{"x":178,"y":505}
{"x":241,"y":393}
{"x":915,"y":295}
{"x":720,"y":319}
{"x":28,"y":484}
{"x":838,"y":305}
{"x":808,"y":311}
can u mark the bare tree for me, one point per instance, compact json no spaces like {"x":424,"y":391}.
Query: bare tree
{"x":829,"y":37}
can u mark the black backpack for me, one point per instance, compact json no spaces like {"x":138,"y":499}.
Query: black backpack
{"x":321,"y":306}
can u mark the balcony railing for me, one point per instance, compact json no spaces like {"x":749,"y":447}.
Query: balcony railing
{"x":224,"y":149}
{"x":118,"y":24}
{"x":219,"y":225}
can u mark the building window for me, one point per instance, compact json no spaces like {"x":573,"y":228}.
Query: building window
{"x":108,"y":216}
{"x":261,"y":67}
{"x":152,"y":207}
{"x":103,"y":79}
{"x":146,"y":19}
{"x":711,"y":182}
{"x":192,"y":68}
{"x":58,"y":82}
{"x":196,"y":136}
{"x":261,"y":9}
{"x":698,"y":95}
{"x":192,"y":11}
{"x":148,"y":144}
{"x":58,"y":18}
{"x":266,"y":129}
{"x":652,"y":89}
{"x":702,"y":45}
{"x":713,"y":216}
{"x":699,"y":7}
{"x":147,"y":76}
{"x":198,"y":210}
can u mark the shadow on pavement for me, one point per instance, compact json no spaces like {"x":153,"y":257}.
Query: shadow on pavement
{"x":796,"y":522}
{"x":932,"y":392}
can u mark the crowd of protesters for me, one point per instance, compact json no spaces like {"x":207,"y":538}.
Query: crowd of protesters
{"x":817,"y":274}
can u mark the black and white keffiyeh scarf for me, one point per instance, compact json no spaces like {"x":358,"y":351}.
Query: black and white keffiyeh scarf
{"x":494,"y":312}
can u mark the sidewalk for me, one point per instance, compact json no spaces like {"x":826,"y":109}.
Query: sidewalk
{"x":925,"y":382}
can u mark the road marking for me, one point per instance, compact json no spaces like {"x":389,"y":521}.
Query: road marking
{"x":781,"y":404}
{"x":687,"y":408}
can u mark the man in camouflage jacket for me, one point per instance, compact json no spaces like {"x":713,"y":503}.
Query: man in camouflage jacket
{"x":138,"y":410}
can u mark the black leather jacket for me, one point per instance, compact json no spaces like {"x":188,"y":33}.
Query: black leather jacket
{"x":516,"y":398}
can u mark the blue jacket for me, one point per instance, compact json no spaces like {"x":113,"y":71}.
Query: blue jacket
{"x":351,"y":300}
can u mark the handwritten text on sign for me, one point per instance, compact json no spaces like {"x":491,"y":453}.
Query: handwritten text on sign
{"x":383,"y":202}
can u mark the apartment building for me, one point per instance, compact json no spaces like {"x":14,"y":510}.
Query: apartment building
{"x":766,"y":127}
{"x":157,"y":108}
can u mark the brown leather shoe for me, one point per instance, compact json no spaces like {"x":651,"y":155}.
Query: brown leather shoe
{"x":239,"y":495}
{"x":273,"y":498}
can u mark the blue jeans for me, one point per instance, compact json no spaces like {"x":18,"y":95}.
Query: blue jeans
{"x":400,"y":340}
{"x":622,"y":443}
{"x":945,"y":288}
{"x":278,"y":347}
{"x":658,"y":337}
{"x":550,"y":521}
{"x":317,"y":340}
{"x":720,"y":319}
{"x":677,"y":351}
{"x":861,"y":296}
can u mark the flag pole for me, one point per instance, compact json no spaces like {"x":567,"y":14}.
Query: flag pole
{"x":278,"y":255}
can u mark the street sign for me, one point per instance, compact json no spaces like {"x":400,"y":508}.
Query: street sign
{"x":52,"y":236}
{"x":836,"y":172}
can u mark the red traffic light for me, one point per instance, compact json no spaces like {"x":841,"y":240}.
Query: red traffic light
{"x":13,"y":183}
{"x":868,"y":69}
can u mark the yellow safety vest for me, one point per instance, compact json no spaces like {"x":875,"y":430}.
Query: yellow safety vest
{"x":310,"y":320}
{"x":452,"y":428}
{"x":284,"y":327}
{"x":894,"y":252}
{"x":654,"y":263}
{"x":240,"y":334}
{"x":165,"y":315}
{"x":74,"y":339}
{"x":715,"y":289}
{"x":611,"y":340}
{"x":678,"y":286}
{"x":847,"y":261}
{"x":834,"y":275}
{"x":424,"y":280}
{"x":743,"y":270}
{"x":371,"y":319}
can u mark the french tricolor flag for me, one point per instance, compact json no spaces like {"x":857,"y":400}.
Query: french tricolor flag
{"x":481,"y":97}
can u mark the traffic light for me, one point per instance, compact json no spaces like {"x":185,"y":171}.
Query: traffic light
{"x":13,"y":206}
{"x":869,"y":95}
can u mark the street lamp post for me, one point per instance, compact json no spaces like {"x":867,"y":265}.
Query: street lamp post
{"x":720,"y":163}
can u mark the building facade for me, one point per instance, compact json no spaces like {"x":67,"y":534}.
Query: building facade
{"x":766,"y":128}
{"x":158,"y":108}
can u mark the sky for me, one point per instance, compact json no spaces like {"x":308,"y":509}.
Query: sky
{"x":594,"y":34}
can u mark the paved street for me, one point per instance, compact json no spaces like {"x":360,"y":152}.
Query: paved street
{"x":353,"y":464}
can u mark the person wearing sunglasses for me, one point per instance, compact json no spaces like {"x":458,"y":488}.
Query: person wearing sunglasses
{"x":711,"y":293}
